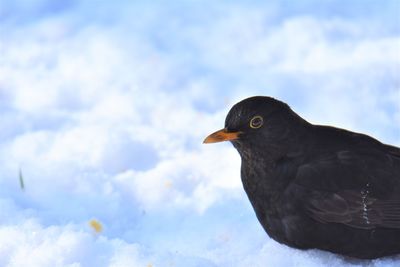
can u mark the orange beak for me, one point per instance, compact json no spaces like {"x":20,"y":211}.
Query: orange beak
{"x":221,"y":135}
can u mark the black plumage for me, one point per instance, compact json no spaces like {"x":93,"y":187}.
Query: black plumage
{"x":315,"y":186}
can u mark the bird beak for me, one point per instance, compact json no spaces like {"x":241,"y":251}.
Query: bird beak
{"x":221,"y":135}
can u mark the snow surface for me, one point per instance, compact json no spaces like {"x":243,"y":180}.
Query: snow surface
{"x":104,"y":106}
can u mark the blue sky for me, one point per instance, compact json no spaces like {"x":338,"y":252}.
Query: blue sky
{"x":105,"y":105}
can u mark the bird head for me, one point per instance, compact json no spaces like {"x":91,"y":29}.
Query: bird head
{"x":256,"y":122}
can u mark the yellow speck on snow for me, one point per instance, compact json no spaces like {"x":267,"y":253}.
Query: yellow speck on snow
{"x":96,"y":225}
{"x":168,"y":184}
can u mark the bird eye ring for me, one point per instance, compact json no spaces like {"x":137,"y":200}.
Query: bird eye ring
{"x":256,"y":122}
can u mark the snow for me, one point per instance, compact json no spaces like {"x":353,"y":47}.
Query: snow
{"x":104,"y":107}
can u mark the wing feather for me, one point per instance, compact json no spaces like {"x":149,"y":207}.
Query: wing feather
{"x":358,"y":190}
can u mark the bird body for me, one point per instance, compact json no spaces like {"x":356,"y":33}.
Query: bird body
{"x":315,"y":186}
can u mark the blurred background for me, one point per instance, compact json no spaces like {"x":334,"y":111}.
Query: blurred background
{"x":104,"y":106}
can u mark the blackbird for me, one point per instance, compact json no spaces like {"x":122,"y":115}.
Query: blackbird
{"x":314,"y":186}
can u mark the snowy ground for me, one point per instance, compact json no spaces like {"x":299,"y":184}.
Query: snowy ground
{"x":104,"y":107}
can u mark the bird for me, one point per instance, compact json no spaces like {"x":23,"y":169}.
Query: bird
{"x":316,"y":186}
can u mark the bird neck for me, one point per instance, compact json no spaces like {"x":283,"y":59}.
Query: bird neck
{"x":256,"y":171}
{"x":262,"y":162}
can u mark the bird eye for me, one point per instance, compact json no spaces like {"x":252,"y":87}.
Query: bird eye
{"x":256,"y":122}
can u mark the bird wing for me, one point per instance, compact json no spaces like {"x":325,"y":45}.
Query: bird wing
{"x":354,"y":209}
{"x":358,"y":189}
